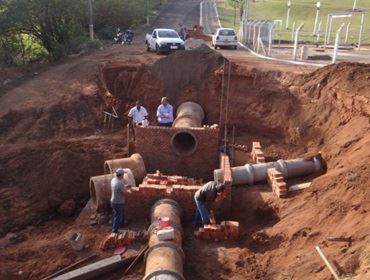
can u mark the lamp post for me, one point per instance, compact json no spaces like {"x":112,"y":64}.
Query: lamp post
{"x":91,"y":23}
{"x":318,"y":4}
{"x":288,"y":14}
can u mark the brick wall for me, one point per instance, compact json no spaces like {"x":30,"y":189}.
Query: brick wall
{"x":154,"y":145}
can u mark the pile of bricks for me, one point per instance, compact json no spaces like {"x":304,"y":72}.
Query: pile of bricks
{"x":276,"y":180}
{"x":123,"y":238}
{"x":257,"y":153}
{"x":159,"y":179}
{"x":224,"y":231}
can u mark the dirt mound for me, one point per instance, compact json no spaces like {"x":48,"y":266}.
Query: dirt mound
{"x":197,"y":33}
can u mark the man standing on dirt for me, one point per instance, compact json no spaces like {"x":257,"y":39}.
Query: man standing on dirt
{"x":138,"y":114}
{"x":204,"y":197}
{"x":165,"y":113}
{"x":119,"y":186}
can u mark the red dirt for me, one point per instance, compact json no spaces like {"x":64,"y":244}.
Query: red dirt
{"x":52,"y":140}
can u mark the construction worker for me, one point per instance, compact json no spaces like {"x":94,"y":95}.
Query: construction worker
{"x":204,"y":197}
{"x":165,"y":113}
{"x":119,"y":186}
{"x":138,"y":114}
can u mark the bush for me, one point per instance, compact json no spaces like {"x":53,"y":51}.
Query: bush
{"x":106,"y":33}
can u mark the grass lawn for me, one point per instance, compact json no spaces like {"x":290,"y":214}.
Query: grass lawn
{"x":302,"y":11}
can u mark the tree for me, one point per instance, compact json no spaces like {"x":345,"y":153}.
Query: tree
{"x":236,"y":4}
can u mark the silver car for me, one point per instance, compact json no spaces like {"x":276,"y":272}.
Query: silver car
{"x":225,"y":37}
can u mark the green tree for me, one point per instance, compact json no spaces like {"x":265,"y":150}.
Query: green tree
{"x":237,"y":5}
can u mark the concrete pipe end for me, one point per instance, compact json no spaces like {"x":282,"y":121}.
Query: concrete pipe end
{"x":218,"y":175}
{"x":184,"y":143}
{"x":92,"y":191}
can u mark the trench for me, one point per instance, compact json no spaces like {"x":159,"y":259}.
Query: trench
{"x":265,"y":106}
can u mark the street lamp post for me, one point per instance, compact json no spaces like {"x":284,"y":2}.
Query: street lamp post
{"x":318,"y":4}
{"x":288,"y":14}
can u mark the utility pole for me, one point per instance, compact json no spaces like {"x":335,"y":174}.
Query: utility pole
{"x":288,"y":14}
{"x":91,"y":23}
{"x":246,"y":10}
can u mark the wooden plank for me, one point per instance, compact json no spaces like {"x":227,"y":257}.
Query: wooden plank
{"x":333,"y":272}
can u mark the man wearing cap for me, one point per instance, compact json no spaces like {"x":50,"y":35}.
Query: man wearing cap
{"x":119,"y":186}
{"x":204,"y":197}
{"x":165,"y":113}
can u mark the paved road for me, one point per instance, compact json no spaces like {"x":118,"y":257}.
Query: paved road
{"x":209,"y":16}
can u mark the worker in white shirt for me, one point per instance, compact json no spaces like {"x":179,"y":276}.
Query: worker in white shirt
{"x":165,"y":113}
{"x":138,"y":113}
{"x":138,"y":116}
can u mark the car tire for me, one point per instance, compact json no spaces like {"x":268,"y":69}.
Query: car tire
{"x":157,"y":50}
{"x":215,"y":47}
{"x":147,"y":48}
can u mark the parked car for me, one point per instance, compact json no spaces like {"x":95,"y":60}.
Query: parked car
{"x":225,"y":37}
{"x":164,"y":41}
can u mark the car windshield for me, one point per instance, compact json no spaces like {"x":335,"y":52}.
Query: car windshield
{"x":226,"y":33}
{"x":167,"y":34}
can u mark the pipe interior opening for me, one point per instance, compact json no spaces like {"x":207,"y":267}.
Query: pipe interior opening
{"x":184,"y":143}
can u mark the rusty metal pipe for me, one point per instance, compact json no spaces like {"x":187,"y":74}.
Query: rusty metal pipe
{"x":100,"y":188}
{"x":164,"y":259}
{"x":135,"y":163}
{"x":253,"y":173}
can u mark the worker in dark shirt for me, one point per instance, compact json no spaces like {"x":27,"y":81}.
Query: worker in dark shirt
{"x":204,"y":197}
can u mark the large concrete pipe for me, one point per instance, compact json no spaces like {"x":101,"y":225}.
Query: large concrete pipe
{"x":100,"y":188}
{"x":252,"y":173}
{"x":189,"y":114}
{"x":135,"y":162}
{"x":164,"y":259}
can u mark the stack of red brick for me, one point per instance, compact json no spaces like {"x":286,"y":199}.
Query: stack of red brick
{"x":257,"y":153}
{"x":159,"y":179}
{"x":123,"y":238}
{"x":276,"y":180}
{"x":225,"y":230}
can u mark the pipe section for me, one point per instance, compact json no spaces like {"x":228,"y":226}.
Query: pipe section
{"x":189,"y":114}
{"x":164,"y":259}
{"x":100,"y":189}
{"x":135,"y":163}
{"x":253,"y":173}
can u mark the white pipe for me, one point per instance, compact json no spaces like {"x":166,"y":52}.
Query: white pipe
{"x":288,"y":15}
{"x":326,"y":30}
{"x":253,"y":173}
{"x":293,"y":28}
{"x":337,"y":43}
{"x":296,"y":37}
{"x":201,"y":14}
{"x":354,"y":5}
{"x":270,"y":39}
{"x":316,"y":20}
{"x":347,"y":31}
{"x":318,"y":32}
{"x":361,"y":28}
{"x":329,"y":31}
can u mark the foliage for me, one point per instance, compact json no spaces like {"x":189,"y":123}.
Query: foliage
{"x":35,"y":29}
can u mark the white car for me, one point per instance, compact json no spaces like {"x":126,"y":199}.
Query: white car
{"x":164,"y":40}
{"x":225,"y":37}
